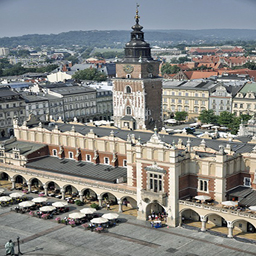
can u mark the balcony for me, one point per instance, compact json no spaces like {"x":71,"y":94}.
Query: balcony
{"x":150,"y":197}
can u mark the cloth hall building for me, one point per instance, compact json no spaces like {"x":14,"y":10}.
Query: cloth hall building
{"x":154,"y":171}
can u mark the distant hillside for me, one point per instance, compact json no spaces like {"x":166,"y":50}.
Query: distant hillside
{"x":115,"y":38}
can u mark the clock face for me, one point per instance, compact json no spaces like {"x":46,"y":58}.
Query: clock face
{"x":150,"y":68}
{"x":128,"y":69}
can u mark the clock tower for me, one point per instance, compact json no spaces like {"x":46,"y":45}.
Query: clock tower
{"x":137,"y":88}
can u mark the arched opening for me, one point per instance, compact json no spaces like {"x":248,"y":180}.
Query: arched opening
{"x":5,"y":180}
{"x":129,"y":206}
{"x":53,"y":188}
{"x":71,"y":192}
{"x":20,"y":182}
{"x":244,"y":229}
{"x":216,"y":223}
{"x":36,"y":185}
{"x":90,"y":196}
{"x":191,"y":218}
{"x":154,"y":209}
{"x":108,"y":198}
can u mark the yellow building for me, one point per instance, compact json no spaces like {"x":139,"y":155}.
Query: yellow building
{"x":189,"y":96}
{"x":244,"y":101}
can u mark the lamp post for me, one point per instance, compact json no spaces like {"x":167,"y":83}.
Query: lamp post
{"x":18,"y":242}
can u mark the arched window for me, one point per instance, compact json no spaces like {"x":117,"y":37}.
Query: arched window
{"x":128,"y":89}
{"x":201,"y":185}
{"x":205,"y":186}
{"x":128,"y":111}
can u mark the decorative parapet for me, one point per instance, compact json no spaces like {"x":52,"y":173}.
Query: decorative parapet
{"x":218,"y":209}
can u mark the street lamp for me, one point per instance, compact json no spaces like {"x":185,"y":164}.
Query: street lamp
{"x":18,"y":242}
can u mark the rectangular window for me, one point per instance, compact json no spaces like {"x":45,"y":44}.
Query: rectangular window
{"x":16,"y":155}
{"x":88,"y":158}
{"x":247,"y":182}
{"x":54,"y":152}
{"x":203,"y":185}
{"x":1,"y":153}
{"x":70,"y":155}
{"x":106,"y":160}
{"x":155,"y":182}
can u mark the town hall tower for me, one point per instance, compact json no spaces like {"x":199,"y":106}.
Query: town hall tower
{"x":137,"y":88}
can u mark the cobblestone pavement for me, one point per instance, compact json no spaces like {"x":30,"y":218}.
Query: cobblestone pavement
{"x":130,"y":237}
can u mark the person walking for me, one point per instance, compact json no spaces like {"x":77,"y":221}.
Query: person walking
{"x":9,"y":248}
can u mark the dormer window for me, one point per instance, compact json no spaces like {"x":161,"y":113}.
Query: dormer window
{"x":54,"y":152}
{"x":128,"y":76}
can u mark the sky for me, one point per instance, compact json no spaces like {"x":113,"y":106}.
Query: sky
{"x":21,"y":17}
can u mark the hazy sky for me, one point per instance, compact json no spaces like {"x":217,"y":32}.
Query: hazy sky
{"x":19,"y":17}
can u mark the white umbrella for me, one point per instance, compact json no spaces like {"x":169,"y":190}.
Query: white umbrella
{"x":16,"y":195}
{"x":39,"y":199}
{"x":76,"y":215}
{"x":110,"y":216}
{"x":5,"y":198}
{"x":230,"y":203}
{"x":202,"y":197}
{"x":1,"y":190}
{"x":47,"y":208}
{"x":26,"y":204}
{"x":88,"y":210}
{"x":99,"y":220}
{"x":59,"y":204}
{"x":253,"y":208}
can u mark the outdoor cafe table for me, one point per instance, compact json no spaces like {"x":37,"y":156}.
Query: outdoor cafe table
{"x":157,"y":224}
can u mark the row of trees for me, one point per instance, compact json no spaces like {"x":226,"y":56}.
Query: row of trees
{"x":17,"y":69}
{"x":225,"y":118}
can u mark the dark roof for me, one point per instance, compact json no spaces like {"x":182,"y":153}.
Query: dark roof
{"x":25,"y":148}
{"x":239,"y":145}
{"x":128,"y":118}
{"x":240,"y":192}
{"x":249,"y":200}
{"x":80,"y":169}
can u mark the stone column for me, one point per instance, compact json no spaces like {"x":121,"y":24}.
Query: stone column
{"x":100,"y":200}
{"x":119,"y":201}
{"x":29,"y":186}
{"x":13,"y":183}
{"x":62,"y":193}
{"x":230,"y":230}
{"x":81,"y":196}
{"x":45,"y":189}
{"x":203,"y":220}
{"x":180,"y":220}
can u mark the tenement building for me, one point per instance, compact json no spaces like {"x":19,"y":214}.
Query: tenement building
{"x":137,"y":88}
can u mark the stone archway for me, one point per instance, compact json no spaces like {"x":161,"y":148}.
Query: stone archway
{"x":52,"y":188}
{"x":5,"y":180}
{"x":243,"y":228}
{"x":190,"y":217}
{"x":154,"y":208}
{"x":36,"y":185}
{"x":129,"y":205}
{"x":109,"y":198}
{"x":216,"y":223}
{"x":19,"y":182}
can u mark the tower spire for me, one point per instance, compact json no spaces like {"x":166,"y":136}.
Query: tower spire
{"x":137,"y":17}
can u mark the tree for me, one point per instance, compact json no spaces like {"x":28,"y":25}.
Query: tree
{"x":169,"y":69}
{"x":181,"y":116}
{"x":226,"y":119}
{"x":207,"y":117}
{"x":90,"y":74}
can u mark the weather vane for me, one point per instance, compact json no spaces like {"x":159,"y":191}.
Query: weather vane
{"x":137,"y":13}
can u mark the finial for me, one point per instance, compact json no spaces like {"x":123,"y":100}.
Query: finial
{"x":137,"y":14}
{"x":140,"y":59}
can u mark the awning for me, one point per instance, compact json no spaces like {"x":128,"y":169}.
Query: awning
{"x":240,"y":192}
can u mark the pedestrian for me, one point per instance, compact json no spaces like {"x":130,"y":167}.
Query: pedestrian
{"x":108,"y":206}
{"x":9,"y":248}
{"x":152,"y":224}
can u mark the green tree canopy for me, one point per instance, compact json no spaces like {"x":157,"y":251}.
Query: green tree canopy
{"x":207,"y":117}
{"x":169,"y":69}
{"x":226,"y":119}
{"x":181,"y":116}
{"x":90,"y":74}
